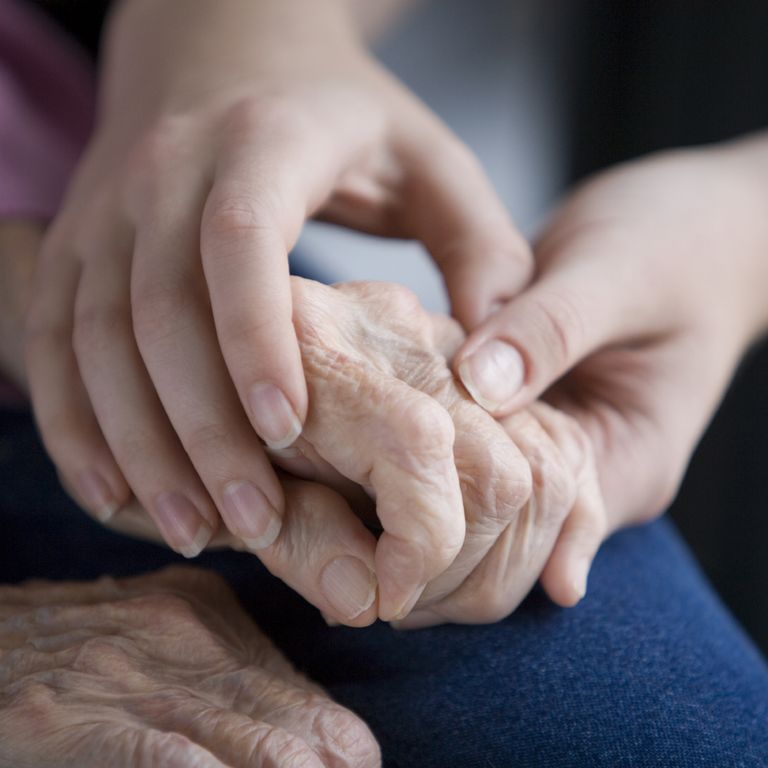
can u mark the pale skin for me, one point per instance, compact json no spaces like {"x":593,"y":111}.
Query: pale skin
{"x":650,"y":285}
{"x":469,"y":509}
{"x":648,"y":392}
{"x":164,"y":669}
{"x":166,"y":267}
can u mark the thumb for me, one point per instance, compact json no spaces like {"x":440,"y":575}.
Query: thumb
{"x":452,"y":208}
{"x":577,"y":305}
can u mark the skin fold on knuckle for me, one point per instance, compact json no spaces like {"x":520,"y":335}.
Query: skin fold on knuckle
{"x":495,"y":478}
{"x":344,"y":739}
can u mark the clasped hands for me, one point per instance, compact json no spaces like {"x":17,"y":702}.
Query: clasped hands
{"x":471,"y":511}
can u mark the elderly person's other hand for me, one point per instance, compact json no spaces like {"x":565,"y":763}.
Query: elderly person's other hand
{"x":161,"y":670}
{"x":385,"y":400}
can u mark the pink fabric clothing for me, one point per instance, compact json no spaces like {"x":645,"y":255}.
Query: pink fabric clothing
{"x":47,"y":96}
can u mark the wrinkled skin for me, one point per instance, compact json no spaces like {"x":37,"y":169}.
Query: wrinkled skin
{"x":161,"y":670}
{"x":651,"y":286}
{"x":160,"y":348}
{"x":470,"y":509}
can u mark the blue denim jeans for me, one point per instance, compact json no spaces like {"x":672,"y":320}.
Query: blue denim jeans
{"x":650,"y":670}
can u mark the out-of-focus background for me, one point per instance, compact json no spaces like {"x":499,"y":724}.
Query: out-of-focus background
{"x":546,"y":92}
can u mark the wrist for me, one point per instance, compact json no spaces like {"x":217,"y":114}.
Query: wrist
{"x":218,"y":46}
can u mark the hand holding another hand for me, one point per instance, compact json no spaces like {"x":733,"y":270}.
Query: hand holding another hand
{"x":469,"y":510}
{"x":160,"y":346}
{"x":651,"y":284}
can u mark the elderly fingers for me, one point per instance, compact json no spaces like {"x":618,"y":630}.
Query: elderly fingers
{"x":380,"y":432}
{"x":513,"y":563}
{"x":398,"y":443}
{"x":326,"y":554}
{"x":564,"y":577}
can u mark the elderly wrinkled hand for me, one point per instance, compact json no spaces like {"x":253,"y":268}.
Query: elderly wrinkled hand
{"x":164,"y":669}
{"x":471,"y":511}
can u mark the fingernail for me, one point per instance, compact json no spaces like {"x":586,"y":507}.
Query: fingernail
{"x":285,"y":453}
{"x":349,"y":586}
{"x":250,"y":516}
{"x":97,"y":495}
{"x":493,"y":374}
{"x":579,"y":582}
{"x":272,"y":414}
{"x":409,"y":604}
{"x":182,"y":526}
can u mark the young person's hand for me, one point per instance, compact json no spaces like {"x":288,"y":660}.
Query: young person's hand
{"x":468,"y":511}
{"x":652,"y":281}
{"x":160,"y":346}
{"x":164,"y":669}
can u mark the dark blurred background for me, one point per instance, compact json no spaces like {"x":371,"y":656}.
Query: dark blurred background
{"x":650,"y":75}
{"x":642,"y":76}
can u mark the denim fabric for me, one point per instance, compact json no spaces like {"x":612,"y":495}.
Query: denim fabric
{"x":650,"y":670}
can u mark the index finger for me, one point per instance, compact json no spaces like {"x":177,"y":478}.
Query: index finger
{"x":268,"y":179}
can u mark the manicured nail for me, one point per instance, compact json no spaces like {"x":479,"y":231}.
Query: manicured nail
{"x":182,"y":526}
{"x":97,"y":495}
{"x":249,"y":515}
{"x":493,"y":374}
{"x":272,"y":414}
{"x":349,"y":586}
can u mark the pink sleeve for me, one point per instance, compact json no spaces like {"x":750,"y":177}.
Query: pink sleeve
{"x":46,"y":111}
{"x":47,"y":95}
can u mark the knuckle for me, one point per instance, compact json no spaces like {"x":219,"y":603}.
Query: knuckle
{"x":161,"y":607}
{"x":284,"y":749}
{"x":496,"y":485}
{"x":100,"y":655}
{"x":97,"y":325}
{"x":399,"y":299}
{"x":347,"y":736}
{"x":425,"y":428}
{"x":160,"y":144}
{"x":554,"y":487}
{"x":241,"y":221}
{"x":31,"y":701}
{"x":266,"y":113}
{"x":148,"y":180}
